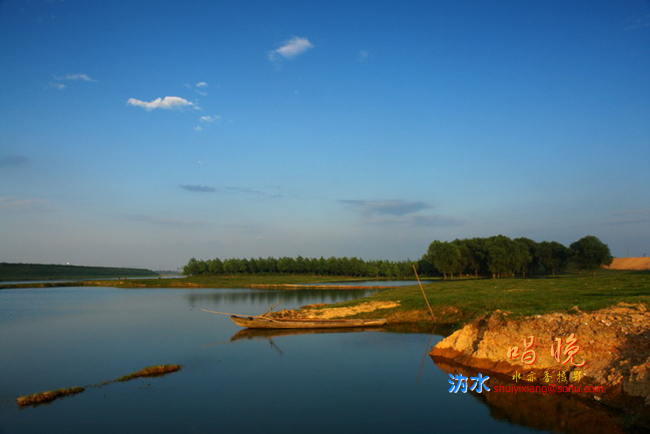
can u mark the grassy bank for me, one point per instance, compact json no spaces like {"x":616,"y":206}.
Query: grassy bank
{"x":459,"y":301}
{"x":243,"y":281}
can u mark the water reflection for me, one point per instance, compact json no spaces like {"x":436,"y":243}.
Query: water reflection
{"x":260,"y":297}
{"x":560,"y":413}
{"x":267,"y":334}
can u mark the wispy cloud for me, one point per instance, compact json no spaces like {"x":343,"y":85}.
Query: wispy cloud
{"x":75,"y":77}
{"x":247,"y":190}
{"x":59,"y":86}
{"x":637,"y":22}
{"x":630,"y":217}
{"x":398,"y":212}
{"x":199,"y":188}
{"x":385,"y":207}
{"x":645,"y":211}
{"x":16,"y":204}
{"x":201,"y":87}
{"x":166,"y":103}
{"x":13,"y":160}
{"x":363,"y":56}
{"x":291,"y":48}
{"x":213,"y":118}
{"x":163,"y":222}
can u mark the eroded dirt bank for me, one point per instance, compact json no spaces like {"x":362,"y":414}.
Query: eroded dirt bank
{"x":614,"y":345}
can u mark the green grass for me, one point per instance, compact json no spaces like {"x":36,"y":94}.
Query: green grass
{"x":462,"y":300}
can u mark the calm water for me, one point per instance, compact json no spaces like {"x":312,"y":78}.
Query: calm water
{"x":374,"y":381}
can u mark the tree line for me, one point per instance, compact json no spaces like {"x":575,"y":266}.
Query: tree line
{"x":314,"y":266}
{"x":500,"y":256}
{"x":497,"y":256}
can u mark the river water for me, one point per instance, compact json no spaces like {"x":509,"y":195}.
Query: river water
{"x":336,"y":382}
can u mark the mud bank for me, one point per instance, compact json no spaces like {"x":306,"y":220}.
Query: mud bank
{"x":614,"y":350}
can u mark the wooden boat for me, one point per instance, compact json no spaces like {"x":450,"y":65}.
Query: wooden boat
{"x":258,"y":322}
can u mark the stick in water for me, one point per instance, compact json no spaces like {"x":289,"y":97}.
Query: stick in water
{"x":423,"y":294}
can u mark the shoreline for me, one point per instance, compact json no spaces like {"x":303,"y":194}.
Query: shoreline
{"x":612,"y":357}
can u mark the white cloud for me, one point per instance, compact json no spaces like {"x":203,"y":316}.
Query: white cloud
{"x":209,"y":118}
{"x":200,"y":88}
{"x":167,"y":103}
{"x":76,"y":77}
{"x":291,"y":48}
{"x":198,"y":128}
{"x":59,"y":86}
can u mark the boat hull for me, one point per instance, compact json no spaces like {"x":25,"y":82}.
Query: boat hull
{"x":304,"y":323}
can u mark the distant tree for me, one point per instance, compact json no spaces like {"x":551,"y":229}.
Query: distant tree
{"x":215,"y":266}
{"x":553,"y":256}
{"x":525,"y":255}
{"x":425,"y":267}
{"x":445,"y":256}
{"x":192,"y":268}
{"x":479,"y":255}
{"x":589,"y":254}
{"x":501,"y":259}
{"x":465,"y":263}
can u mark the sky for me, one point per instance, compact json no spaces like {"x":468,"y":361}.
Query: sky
{"x":144,"y":133}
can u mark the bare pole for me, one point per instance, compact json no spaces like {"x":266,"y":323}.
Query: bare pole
{"x":423,"y":294}
{"x":270,"y":309}
{"x":226,"y":313}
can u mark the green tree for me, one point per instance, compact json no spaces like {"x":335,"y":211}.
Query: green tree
{"x":215,"y":266}
{"x":192,"y":268}
{"x":589,"y":254}
{"x":445,"y":256}
{"x":553,"y":256}
{"x":525,"y":251}
{"x":501,"y":259}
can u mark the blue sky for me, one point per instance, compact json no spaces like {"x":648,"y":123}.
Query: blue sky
{"x":144,"y":133}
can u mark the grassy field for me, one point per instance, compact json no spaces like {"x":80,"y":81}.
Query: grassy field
{"x":457,"y":301}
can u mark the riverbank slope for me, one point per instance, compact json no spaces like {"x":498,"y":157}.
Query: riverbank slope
{"x":607,"y":348}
